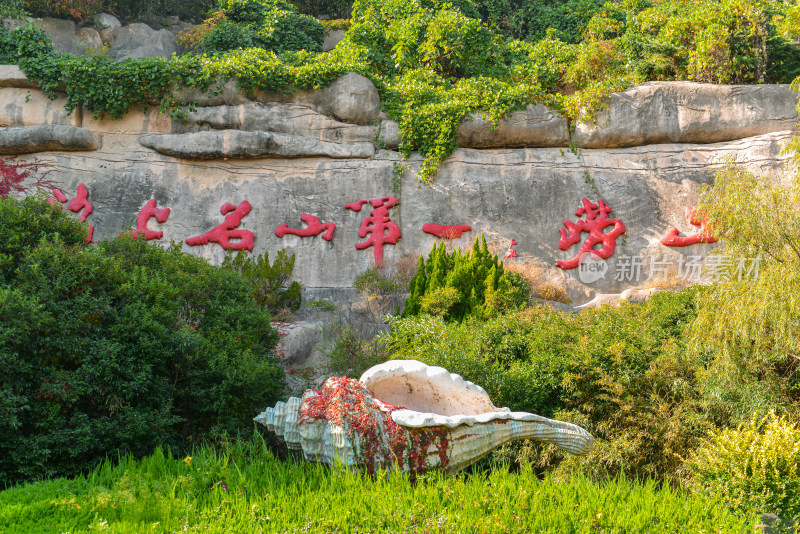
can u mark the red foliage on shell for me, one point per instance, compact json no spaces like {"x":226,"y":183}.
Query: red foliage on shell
{"x":377,"y":440}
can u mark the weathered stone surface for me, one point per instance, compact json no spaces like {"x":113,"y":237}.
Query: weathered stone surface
{"x":300,"y":341}
{"x":351,"y":98}
{"x":61,"y":33}
{"x":88,"y":40}
{"x":30,"y":139}
{"x":274,"y":117}
{"x":12,"y":76}
{"x":389,"y":134}
{"x":227,"y":94}
{"x":24,"y":107}
{"x":615,"y":299}
{"x":177,"y":26}
{"x":108,"y":26}
{"x":238,"y":144}
{"x":686,"y":112}
{"x":525,"y":194}
{"x":140,"y":40}
{"x":332,"y":38}
{"x":536,"y":126}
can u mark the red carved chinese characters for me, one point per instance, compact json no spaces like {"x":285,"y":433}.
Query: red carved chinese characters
{"x":596,"y":221}
{"x":149,"y":210}
{"x":673,"y":239}
{"x":313,"y":228}
{"x":226,"y":231}
{"x":511,"y":252}
{"x":382,"y":230}
{"x":79,"y":203}
{"x":446,"y":231}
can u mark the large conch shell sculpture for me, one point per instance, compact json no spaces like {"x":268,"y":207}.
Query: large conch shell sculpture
{"x":406,"y":415}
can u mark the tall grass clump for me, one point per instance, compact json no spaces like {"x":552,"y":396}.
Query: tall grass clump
{"x":755,"y":467}
{"x":244,"y":488}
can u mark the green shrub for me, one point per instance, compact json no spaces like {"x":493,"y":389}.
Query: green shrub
{"x":269,"y":24}
{"x":121,"y":346}
{"x":154,"y":10}
{"x":480,"y":286}
{"x":624,"y":373}
{"x":440,"y":301}
{"x":289,"y":31}
{"x":77,"y":9}
{"x":755,"y":467}
{"x":349,"y":353}
{"x":327,"y":9}
{"x":252,"y":11}
{"x":750,"y":321}
{"x":529,"y":20}
{"x":269,"y":282}
{"x":26,"y":224}
{"x":226,"y":36}
{"x":12,"y":9}
{"x":26,"y":41}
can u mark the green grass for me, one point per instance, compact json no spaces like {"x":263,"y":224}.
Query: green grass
{"x":264,"y":494}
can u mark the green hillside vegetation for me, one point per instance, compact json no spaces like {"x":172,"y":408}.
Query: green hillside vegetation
{"x":435,"y":62}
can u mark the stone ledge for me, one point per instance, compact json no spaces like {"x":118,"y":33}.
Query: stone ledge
{"x":238,"y":144}
{"x":688,"y":112}
{"x":12,"y":76}
{"x":30,"y":139}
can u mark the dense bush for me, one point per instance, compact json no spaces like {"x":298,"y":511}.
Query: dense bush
{"x":127,"y":10}
{"x":626,"y":374}
{"x":225,"y":36}
{"x":529,"y":20}
{"x":456,"y":285}
{"x":269,"y":282}
{"x":121,"y":346}
{"x":76,"y":9}
{"x":155,"y":10}
{"x":269,"y":24}
{"x":750,"y":321}
{"x":755,"y":467}
{"x":12,"y":9}
{"x":327,"y":9}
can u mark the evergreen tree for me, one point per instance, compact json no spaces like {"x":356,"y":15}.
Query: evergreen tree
{"x":457,"y":285}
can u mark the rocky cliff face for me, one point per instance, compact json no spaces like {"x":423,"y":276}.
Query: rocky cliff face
{"x":317,"y":152}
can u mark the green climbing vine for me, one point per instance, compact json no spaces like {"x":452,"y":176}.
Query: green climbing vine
{"x":433,"y":62}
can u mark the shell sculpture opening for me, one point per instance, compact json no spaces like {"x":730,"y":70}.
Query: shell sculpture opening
{"x":406,"y":415}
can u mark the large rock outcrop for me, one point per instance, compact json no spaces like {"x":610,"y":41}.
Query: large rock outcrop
{"x":314,"y":152}
{"x":108,"y":25}
{"x":140,"y":40}
{"x":293,"y":119}
{"x":687,"y":112}
{"x":535,"y":126}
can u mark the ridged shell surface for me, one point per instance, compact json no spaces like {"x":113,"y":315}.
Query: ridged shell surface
{"x":469,"y":436}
